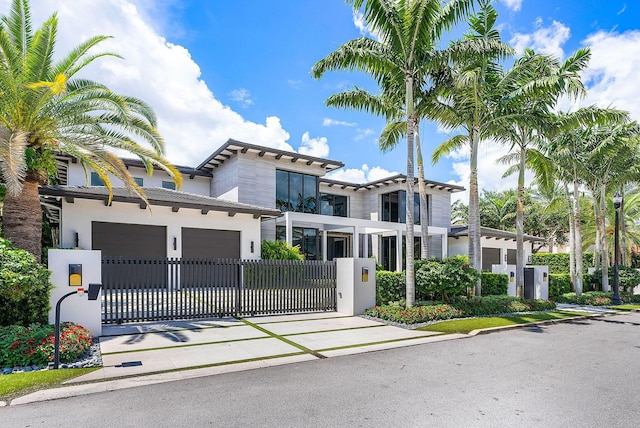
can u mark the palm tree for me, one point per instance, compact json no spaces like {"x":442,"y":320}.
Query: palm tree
{"x":537,"y":83}
{"x":44,"y":110}
{"x":407,"y":30}
{"x":469,"y":93}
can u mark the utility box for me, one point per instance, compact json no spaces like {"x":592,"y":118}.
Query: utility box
{"x":510,"y":271}
{"x":355,"y":285}
{"x":536,"y":282}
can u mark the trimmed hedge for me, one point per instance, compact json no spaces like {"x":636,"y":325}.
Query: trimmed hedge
{"x":559,"y":262}
{"x":628,"y":277}
{"x":559,"y":283}
{"x":494,"y":284}
{"x":24,"y":287}
{"x":390,"y":287}
{"x":596,"y":298}
{"x":459,"y":308}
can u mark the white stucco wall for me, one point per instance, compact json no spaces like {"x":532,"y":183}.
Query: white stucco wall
{"x":198,"y":185}
{"x":77,"y":218}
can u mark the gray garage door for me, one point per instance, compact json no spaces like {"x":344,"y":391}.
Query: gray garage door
{"x":129,"y":240}
{"x":210,"y":244}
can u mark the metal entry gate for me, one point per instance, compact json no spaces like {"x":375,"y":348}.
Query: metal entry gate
{"x":164,"y":289}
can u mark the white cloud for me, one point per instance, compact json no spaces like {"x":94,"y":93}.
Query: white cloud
{"x":362,"y":175}
{"x":489,"y":171}
{"x":612,"y":76}
{"x":362,"y":133}
{"x":544,"y":40}
{"x":358,"y":21}
{"x":621,"y":11}
{"x":332,"y":122}
{"x":317,"y":147}
{"x":242,"y":96}
{"x":191,"y":119}
{"x":514,"y":5}
{"x":295,"y":84}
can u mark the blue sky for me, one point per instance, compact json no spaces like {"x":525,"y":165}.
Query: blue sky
{"x":221,"y":69}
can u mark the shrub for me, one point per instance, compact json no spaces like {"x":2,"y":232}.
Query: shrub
{"x":628,"y":277}
{"x":459,"y":308}
{"x":446,"y":277}
{"x":24,"y":287}
{"x":559,"y":262}
{"x":390,"y":287}
{"x":494,"y":284}
{"x":559,"y":283}
{"x":279,"y":250}
{"x":23,"y":346}
{"x":592,"y":298}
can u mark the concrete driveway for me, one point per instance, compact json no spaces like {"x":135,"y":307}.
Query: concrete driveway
{"x":230,"y":344}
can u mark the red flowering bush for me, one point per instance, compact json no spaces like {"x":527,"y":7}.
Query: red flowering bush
{"x":24,"y":346}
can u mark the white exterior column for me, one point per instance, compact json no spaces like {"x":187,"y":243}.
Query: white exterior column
{"x":444,"y":244}
{"x":324,"y":245}
{"x":365,"y":246}
{"x":399,"y":251}
{"x":288,"y":228}
{"x":355,"y":242}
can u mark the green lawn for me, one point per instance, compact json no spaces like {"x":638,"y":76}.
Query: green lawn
{"x":626,"y":307}
{"x":470,"y":324}
{"x":14,"y":385}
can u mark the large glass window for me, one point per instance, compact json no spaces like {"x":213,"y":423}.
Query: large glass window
{"x":296,"y":192}
{"x":394,"y":207}
{"x":306,"y":238}
{"x":334,"y":205}
{"x":96,"y":180}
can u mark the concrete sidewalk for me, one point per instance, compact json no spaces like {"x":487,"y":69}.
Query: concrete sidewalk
{"x":156,"y":348}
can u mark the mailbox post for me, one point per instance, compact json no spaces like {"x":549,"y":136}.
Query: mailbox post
{"x":93,"y":291}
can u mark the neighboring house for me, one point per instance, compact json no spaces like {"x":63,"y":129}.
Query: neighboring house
{"x":238,"y":196}
{"x":498,"y":246}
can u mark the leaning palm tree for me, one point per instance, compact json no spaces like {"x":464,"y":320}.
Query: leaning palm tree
{"x":407,"y":30}
{"x":44,"y":111}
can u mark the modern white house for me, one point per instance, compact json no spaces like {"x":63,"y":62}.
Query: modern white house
{"x":237,"y":197}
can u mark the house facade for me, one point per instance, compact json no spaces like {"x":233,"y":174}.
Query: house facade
{"x":237,"y":197}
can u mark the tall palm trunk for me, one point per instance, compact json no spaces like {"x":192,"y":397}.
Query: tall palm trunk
{"x":572,"y":236}
{"x":597,"y":259}
{"x":623,"y":233}
{"x":520,"y":224}
{"x":603,"y":241}
{"x":475,"y":256}
{"x":22,"y":218}
{"x":410,"y":279}
{"x":577,"y":244}
{"x":422,"y":189}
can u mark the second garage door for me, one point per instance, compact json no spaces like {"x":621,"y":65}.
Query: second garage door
{"x":129,"y":240}
{"x":210,"y":243}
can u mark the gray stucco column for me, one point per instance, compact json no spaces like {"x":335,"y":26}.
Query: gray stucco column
{"x":399,"y":251}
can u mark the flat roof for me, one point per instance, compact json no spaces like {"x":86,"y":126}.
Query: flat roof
{"x":233,"y":147}
{"x":458,"y":230}
{"x":398,"y":178}
{"x":160,"y":197}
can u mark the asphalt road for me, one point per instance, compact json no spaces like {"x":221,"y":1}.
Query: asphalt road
{"x":580,"y":374}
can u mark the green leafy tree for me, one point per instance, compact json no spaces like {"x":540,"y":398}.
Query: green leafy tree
{"x":407,"y":31}
{"x":45,"y":109}
{"x":280,"y":250}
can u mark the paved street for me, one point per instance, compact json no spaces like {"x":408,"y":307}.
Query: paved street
{"x":584,"y":373}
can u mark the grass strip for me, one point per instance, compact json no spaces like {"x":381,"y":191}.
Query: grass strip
{"x":17,"y":384}
{"x":381,"y":342}
{"x":626,"y":307}
{"x":185,"y":345}
{"x":284,"y":339}
{"x":467,"y":325}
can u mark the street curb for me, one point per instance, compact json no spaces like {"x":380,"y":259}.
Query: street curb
{"x":516,"y":326}
{"x":3,"y":403}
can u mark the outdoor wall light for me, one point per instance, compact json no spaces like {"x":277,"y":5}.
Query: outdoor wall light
{"x":544,"y":277}
{"x":505,"y":257}
{"x":512,"y":276}
{"x":76,"y":240}
{"x":75,"y":275}
{"x":365,"y":274}
{"x":251,"y":246}
{"x":175,"y":243}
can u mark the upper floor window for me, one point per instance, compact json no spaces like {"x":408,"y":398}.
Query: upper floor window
{"x":96,"y":180}
{"x":334,"y":205}
{"x":138,"y":181}
{"x":394,"y":207}
{"x":296,"y":192}
{"x":168,"y":185}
